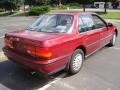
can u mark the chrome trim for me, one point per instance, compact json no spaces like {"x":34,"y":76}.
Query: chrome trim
{"x":93,"y":43}
{"x":106,"y":37}
{"x":93,"y":52}
{"x":71,"y":28}
{"x":97,"y":48}
{"x":58,"y":58}
{"x":96,"y":29}
{"x":98,"y":40}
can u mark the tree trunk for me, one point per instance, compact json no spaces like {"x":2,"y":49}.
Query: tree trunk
{"x":105,"y":6}
{"x":60,"y":2}
{"x":83,"y":7}
{"x":24,"y":7}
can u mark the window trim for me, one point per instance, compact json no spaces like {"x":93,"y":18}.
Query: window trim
{"x":80,"y":16}
{"x":90,"y":16}
{"x":78,"y":24}
{"x":67,"y":30}
{"x":100,"y":19}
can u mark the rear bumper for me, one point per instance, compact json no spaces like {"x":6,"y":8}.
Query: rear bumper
{"x":43,"y":66}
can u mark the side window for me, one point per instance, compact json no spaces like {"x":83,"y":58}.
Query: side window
{"x":99,"y":23}
{"x":88,"y":22}
{"x":81,"y":26}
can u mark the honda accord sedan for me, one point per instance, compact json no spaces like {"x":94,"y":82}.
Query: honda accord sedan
{"x":57,"y":41}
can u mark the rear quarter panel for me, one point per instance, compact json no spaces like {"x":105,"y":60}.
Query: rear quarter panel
{"x":66,"y":46}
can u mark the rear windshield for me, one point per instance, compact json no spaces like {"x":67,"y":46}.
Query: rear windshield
{"x":52,"y":23}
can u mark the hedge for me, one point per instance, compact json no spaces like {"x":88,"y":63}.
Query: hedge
{"x":37,"y":10}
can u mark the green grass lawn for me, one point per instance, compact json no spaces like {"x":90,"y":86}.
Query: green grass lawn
{"x":110,"y":15}
{"x":13,"y":14}
{"x":20,"y":14}
{"x":6,"y":13}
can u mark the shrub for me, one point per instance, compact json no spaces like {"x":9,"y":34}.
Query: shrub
{"x":1,"y":10}
{"x":37,"y":10}
{"x":62,"y":7}
{"x":73,"y":4}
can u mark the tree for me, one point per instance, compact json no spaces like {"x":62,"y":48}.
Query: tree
{"x":84,"y":2}
{"x":105,"y":6}
{"x":7,"y":5}
{"x":36,"y":2}
{"x":115,"y":4}
{"x":53,"y":2}
{"x":84,"y":5}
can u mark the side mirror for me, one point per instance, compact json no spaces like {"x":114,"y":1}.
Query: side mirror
{"x":109,"y":24}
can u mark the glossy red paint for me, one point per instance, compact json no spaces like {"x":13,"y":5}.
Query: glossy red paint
{"x":60,"y":46}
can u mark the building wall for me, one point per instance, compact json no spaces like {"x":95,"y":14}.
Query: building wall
{"x":101,"y":5}
{"x":119,"y":4}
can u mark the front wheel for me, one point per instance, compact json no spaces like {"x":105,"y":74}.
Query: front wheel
{"x":112,"y":41}
{"x":76,"y":61}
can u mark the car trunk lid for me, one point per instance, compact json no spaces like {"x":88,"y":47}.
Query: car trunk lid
{"x":19,"y":41}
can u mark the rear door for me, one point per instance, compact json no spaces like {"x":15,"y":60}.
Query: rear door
{"x":91,"y":35}
{"x":101,"y":25}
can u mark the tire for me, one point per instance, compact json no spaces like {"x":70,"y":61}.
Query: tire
{"x":76,"y":61}
{"x":112,"y":41}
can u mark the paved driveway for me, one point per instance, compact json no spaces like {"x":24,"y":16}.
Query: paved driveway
{"x":101,"y":71}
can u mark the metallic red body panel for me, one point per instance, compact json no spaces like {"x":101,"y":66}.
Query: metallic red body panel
{"x":62,"y":45}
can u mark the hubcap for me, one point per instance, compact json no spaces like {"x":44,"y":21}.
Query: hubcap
{"x":77,"y":62}
{"x":114,"y":39}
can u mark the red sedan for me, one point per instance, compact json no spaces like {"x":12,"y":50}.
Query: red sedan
{"x":57,"y":41}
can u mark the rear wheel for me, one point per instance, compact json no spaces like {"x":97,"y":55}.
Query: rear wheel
{"x":112,"y":41}
{"x":76,"y":61}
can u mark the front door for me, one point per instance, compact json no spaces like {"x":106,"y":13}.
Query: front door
{"x":104,"y":31}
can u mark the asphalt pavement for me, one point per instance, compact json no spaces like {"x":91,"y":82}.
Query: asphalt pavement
{"x":101,"y":71}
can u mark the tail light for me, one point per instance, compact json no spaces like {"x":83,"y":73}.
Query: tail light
{"x":7,"y":41}
{"x":39,"y":52}
{"x":43,"y":52}
{"x":31,"y":50}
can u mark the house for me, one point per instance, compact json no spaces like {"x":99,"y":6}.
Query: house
{"x":110,"y":5}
